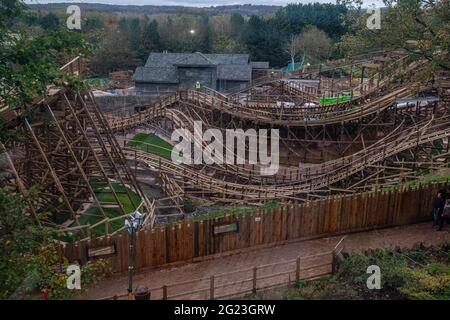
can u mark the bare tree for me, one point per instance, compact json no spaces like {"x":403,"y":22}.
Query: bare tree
{"x":293,"y":47}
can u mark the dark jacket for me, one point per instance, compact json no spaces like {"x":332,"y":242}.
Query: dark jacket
{"x":438,"y":204}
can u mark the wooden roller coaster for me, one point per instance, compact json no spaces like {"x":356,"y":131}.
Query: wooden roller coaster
{"x":371,"y":139}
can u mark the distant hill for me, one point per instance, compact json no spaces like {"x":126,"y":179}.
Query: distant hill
{"x":246,"y":9}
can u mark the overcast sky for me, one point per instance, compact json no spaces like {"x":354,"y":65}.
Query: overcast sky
{"x":198,"y":3}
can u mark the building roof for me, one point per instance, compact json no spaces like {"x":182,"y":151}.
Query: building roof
{"x":162,"y":67}
{"x":194,"y":60}
{"x":223,"y":58}
{"x":166,"y":74}
{"x":260,"y":64}
{"x":234,"y":72}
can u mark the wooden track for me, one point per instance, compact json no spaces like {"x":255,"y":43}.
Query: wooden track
{"x":333,"y":171}
{"x":370,"y":103}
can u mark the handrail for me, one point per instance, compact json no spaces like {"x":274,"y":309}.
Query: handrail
{"x":228,"y":275}
{"x":349,"y":165}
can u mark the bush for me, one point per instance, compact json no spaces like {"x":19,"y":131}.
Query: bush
{"x":420,"y":273}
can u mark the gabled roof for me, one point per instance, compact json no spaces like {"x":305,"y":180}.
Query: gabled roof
{"x":234,"y":72}
{"x":156,"y":74}
{"x":195,"y":59}
{"x":260,"y":64}
{"x":159,"y":59}
{"x":162,"y":67}
{"x":225,"y":58}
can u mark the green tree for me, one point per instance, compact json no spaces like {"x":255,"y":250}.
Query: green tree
{"x":29,"y":61}
{"x":264,"y":42}
{"x":237,"y":23}
{"x":151,"y":40}
{"x":30,"y":259}
{"x":227,"y":44}
{"x":92,"y":23}
{"x":315,"y":45}
{"x":420,"y":27}
{"x":114,"y":53}
{"x":294,"y":18}
{"x":49,"y":21}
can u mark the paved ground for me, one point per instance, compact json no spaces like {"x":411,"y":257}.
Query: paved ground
{"x":403,"y":237}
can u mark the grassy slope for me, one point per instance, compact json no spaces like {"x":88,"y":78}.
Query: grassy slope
{"x":326,"y":101}
{"x":237,"y":210}
{"x":153,"y":144}
{"x":437,"y":176}
{"x":93,"y":214}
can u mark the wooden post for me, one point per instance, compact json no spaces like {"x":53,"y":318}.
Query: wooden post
{"x":211,"y":288}
{"x":297,"y":270}
{"x":164,"y":289}
{"x":254,"y":279}
{"x":333,"y":262}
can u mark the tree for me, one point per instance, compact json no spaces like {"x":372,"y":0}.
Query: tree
{"x":151,"y":39}
{"x":30,"y":61}
{"x":110,"y":56}
{"x":92,"y":23}
{"x":237,"y":24}
{"x":29,"y":256}
{"x":421,"y":27}
{"x":294,"y":18}
{"x":315,"y":45}
{"x":226,"y":44}
{"x":49,"y":21}
{"x":293,"y":47}
{"x":186,"y":33}
{"x":264,"y":42}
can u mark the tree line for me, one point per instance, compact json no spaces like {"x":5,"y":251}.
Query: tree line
{"x":265,"y":38}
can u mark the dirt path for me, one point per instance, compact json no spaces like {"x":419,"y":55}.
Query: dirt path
{"x":403,"y":237}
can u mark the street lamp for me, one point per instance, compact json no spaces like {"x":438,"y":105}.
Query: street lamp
{"x":192,"y":31}
{"x":132,"y":223}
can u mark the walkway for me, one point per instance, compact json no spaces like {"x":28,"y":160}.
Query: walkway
{"x":403,"y":237}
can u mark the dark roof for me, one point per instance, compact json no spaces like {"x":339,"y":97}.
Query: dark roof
{"x":162,"y":67}
{"x":194,"y":59}
{"x":156,"y":74}
{"x":260,"y":64}
{"x":159,"y":59}
{"x":234,"y":72}
{"x":223,"y":58}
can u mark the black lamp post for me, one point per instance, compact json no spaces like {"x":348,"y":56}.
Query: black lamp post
{"x":133,"y":223}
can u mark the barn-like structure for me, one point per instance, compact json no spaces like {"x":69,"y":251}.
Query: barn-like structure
{"x":168,"y":72}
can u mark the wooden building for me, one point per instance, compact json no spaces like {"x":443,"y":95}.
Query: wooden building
{"x":168,"y":72}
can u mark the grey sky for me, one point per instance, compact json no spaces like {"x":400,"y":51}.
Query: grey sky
{"x":198,"y":3}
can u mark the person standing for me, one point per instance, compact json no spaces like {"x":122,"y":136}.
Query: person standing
{"x":445,"y":215}
{"x":438,"y":207}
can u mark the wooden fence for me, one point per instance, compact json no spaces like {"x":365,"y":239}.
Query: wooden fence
{"x":248,"y":280}
{"x":194,"y":240}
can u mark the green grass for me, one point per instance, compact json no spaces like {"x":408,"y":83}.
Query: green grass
{"x":425,"y":179}
{"x":326,"y":101}
{"x":236,"y":210}
{"x":152,"y":144}
{"x":94,"y":215}
{"x":96,"y":81}
{"x":420,"y":273}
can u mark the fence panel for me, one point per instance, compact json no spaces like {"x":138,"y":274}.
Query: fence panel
{"x":325,"y":217}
